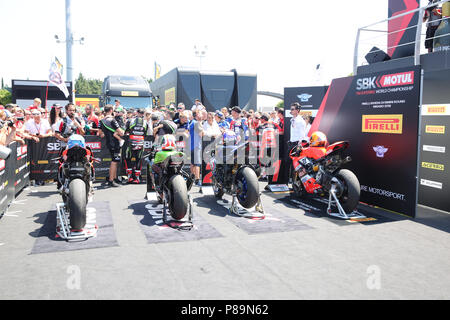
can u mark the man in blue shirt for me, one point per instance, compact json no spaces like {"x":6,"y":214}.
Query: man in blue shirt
{"x":196,"y":132}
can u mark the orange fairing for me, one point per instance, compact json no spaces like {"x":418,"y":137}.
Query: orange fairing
{"x":336,"y":146}
{"x":314,"y":153}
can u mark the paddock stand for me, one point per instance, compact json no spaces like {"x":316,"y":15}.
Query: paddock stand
{"x":341,"y":212}
{"x":256,"y":212}
{"x":63,"y":227}
{"x":182,"y":225}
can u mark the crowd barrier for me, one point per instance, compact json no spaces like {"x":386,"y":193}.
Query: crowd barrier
{"x":39,"y":161}
{"x":14,"y":174}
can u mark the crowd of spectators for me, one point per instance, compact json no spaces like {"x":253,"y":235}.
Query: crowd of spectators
{"x":35,"y":122}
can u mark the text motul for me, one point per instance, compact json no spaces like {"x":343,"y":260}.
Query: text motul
{"x":389,"y":80}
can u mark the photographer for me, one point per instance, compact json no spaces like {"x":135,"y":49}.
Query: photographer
{"x":433,"y":15}
{"x":7,"y":129}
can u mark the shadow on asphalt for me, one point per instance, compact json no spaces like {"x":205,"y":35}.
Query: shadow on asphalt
{"x":432,"y":218}
{"x":210,"y":202}
{"x":40,"y":220}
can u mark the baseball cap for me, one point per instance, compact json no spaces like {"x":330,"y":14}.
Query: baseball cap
{"x":219,"y":114}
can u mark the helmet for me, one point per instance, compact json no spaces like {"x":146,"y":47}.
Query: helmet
{"x":168,"y":142}
{"x":318,"y":139}
{"x":76,"y":140}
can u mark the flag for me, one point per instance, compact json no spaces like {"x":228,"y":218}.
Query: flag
{"x":55,"y":76}
{"x":157,"y":70}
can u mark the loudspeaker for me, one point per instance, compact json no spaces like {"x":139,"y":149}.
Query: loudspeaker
{"x":376,"y":55}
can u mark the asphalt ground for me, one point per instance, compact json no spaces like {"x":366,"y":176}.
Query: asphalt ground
{"x":389,"y":257}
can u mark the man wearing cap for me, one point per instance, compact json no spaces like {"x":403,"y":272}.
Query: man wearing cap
{"x":220,"y":119}
{"x":239,"y":124}
{"x":37,"y":126}
{"x":119,"y":113}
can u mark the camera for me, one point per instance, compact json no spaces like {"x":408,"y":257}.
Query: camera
{"x":10,"y":123}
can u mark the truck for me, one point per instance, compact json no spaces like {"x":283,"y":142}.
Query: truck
{"x":132,"y":91}
{"x":215,"y":89}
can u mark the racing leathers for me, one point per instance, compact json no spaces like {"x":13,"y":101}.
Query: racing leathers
{"x":136,"y":129}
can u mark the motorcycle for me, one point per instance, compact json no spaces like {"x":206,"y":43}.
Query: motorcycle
{"x":172,"y":185}
{"x":318,"y":172}
{"x":236,"y":178}
{"x":75,"y":176}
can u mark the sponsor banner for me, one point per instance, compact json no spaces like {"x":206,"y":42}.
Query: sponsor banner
{"x":434,"y":173}
{"x":436,"y":110}
{"x":433,"y":166}
{"x":432,"y":184}
{"x":379,"y":115}
{"x":382,"y":123}
{"x":433,"y":149}
{"x":435,"y":129}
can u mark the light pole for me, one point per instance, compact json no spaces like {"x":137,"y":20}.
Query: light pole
{"x":200,"y":52}
{"x":69,"y":42}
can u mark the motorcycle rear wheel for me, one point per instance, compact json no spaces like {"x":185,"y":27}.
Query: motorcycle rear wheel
{"x":77,"y":201}
{"x":247,"y":177}
{"x":349,"y":196}
{"x":179,"y":202}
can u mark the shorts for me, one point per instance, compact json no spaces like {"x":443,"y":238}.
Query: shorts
{"x":115,"y":154}
{"x":196,"y":157}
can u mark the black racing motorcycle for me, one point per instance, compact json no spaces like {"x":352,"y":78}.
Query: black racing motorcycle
{"x":172,"y":185}
{"x":233,"y":174}
{"x":75,"y":176}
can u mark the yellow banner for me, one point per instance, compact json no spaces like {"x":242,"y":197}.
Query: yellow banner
{"x":434,"y":166}
{"x":383,"y":123}
{"x":435,"y":129}
{"x":130,"y":93}
{"x":169,"y":95}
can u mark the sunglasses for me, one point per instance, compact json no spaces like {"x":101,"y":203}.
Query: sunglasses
{"x":36,"y":114}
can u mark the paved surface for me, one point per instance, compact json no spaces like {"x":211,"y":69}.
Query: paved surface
{"x":399,"y":259}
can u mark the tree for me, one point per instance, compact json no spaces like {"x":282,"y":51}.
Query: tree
{"x":88,"y":86}
{"x":5,"y":97}
{"x":280,"y":105}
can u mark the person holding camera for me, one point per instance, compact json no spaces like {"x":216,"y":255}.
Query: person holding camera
{"x":68,"y":125}
{"x":7,"y":129}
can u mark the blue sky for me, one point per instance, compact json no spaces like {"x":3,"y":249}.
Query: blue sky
{"x":281,"y":41}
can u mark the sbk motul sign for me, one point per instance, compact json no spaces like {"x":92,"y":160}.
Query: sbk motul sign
{"x":389,"y":80}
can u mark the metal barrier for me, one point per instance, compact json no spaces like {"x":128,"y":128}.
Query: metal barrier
{"x":363,"y":45}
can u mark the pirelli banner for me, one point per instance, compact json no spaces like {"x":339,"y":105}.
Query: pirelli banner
{"x":379,"y":115}
{"x":434,"y":172}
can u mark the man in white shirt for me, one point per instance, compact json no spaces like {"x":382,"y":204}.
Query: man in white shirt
{"x":37,"y":126}
{"x":298,"y":125}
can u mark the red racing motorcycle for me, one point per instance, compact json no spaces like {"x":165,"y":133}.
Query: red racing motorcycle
{"x":317,"y":172}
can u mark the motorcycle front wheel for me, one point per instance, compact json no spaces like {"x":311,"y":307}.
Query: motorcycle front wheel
{"x":349,"y":195}
{"x":248,"y":188}
{"x":77,"y":200}
{"x":179,"y":202}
